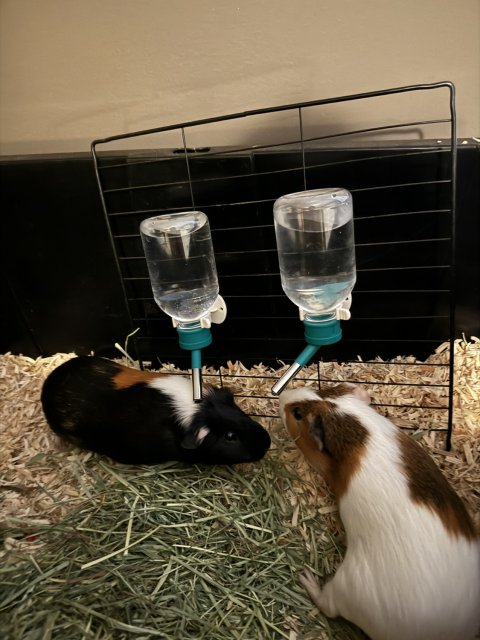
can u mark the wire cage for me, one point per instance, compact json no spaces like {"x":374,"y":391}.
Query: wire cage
{"x":401,"y":173}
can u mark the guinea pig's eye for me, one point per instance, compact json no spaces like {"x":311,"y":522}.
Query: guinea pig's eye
{"x":297,"y":414}
{"x":230,"y":436}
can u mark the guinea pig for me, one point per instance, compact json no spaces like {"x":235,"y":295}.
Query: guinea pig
{"x":412,"y":566}
{"x":143,"y":417}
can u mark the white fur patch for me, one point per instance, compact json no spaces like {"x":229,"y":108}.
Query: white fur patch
{"x":202,"y":433}
{"x":180,"y":391}
{"x":404,"y":576}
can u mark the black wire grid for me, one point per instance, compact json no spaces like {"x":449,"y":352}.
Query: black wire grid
{"x":402,"y":175}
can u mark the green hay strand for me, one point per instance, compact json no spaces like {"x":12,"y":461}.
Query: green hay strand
{"x":169,"y":551}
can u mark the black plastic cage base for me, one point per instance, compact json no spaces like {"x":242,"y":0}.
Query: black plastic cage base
{"x":400,"y":171}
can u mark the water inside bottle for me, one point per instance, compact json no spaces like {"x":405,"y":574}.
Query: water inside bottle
{"x":316,"y":250}
{"x":181,"y":264}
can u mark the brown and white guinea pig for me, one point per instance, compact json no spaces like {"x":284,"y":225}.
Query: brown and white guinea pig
{"x":142,"y":417}
{"x":412,"y":565}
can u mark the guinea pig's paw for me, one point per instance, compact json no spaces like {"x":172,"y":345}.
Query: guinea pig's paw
{"x":312,"y":587}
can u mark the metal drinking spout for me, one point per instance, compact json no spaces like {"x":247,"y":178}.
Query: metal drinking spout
{"x":301,"y":360}
{"x":319,"y":331}
{"x":197,"y":385}
{"x":197,"y":375}
{"x":280,"y":385}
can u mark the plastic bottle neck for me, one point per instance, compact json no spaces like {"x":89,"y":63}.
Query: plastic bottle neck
{"x":324,"y":317}
{"x":188,"y":325}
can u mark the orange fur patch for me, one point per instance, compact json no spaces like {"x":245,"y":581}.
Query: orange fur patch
{"x":344,"y":441}
{"x":300,"y":434}
{"x":128,"y":377}
{"x":428,"y":486}
{"x":337,"y":391}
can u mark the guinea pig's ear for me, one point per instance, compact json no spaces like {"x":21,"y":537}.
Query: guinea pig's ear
{"x":194,"y":439}
{"x":224,"y":394}
{"x":316,"y":430}
{"x":360,"y":393}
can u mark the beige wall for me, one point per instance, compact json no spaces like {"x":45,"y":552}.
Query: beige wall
{"x":74,"y":70}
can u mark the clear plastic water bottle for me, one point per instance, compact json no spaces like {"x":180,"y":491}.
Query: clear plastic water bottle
{"x":181,"y":264}
{"x":315,"y":242}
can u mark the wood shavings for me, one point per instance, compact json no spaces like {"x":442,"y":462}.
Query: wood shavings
{"x":36,"y":479}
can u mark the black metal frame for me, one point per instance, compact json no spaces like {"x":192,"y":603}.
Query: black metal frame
{"x":108,"y":162}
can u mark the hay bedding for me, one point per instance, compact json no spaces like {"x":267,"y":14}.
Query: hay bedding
{"x":94,"y":549}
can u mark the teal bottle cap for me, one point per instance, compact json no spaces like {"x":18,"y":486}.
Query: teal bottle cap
{"x":194,"y":338}
{"x":318,"y":332}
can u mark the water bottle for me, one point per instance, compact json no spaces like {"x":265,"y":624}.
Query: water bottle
{"x":314,"y":233}
{"x":316,"y":253}
{"x":181,"y":264}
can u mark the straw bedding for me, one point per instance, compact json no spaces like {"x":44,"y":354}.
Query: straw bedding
{"x":94,"y":549}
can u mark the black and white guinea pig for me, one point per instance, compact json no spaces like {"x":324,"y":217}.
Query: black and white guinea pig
{"x":412,"y":565}
{"x":142,"y":417}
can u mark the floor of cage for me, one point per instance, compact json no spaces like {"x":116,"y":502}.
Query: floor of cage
{"x":94,"y":549}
